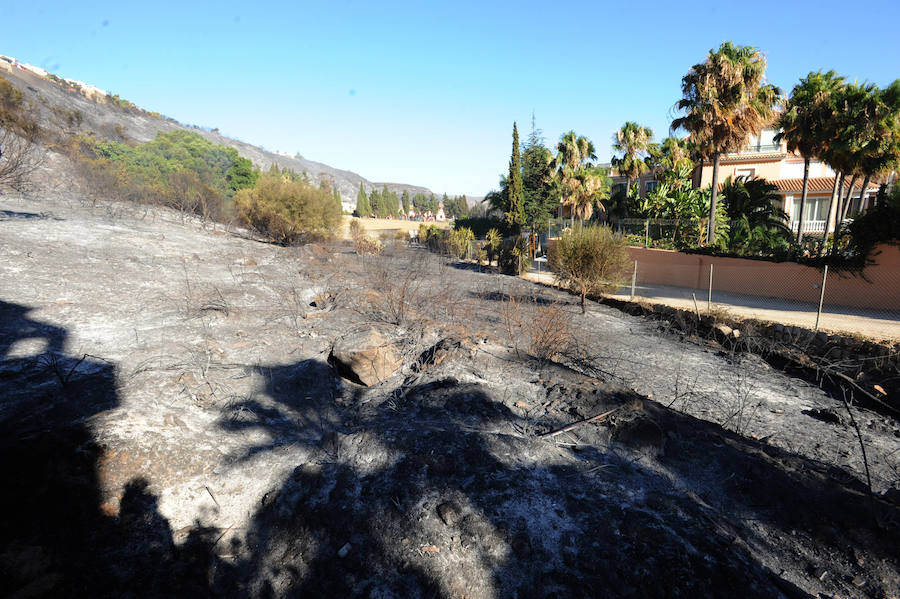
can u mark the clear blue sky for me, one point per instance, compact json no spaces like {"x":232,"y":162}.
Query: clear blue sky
{"x":426,"y":93}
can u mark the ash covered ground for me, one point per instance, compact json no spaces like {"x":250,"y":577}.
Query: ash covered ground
{"x":182,"y":414}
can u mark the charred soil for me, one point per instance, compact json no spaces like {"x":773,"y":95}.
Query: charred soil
{"x":175,"y":421}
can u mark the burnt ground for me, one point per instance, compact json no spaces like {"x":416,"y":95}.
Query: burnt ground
{"x":171,"y":425}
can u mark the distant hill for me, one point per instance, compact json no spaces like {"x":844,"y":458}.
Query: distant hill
{"x":62,"y":103}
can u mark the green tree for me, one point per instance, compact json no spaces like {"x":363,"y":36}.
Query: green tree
{"x":336,"y":194}
{"x":363,"y":209}
{"x":573,"y":158}
{"x":804,"y":123}
{"x":724,"y":101}
{"x":241,"y":175}
{"x":404,"y":199}
{"x":540,"y":200}
{"x":514,"y":213}
{"x":632,"y":141}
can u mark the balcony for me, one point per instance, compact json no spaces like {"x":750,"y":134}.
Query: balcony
{"x":758,"y":148}
{"x":809,"y":226}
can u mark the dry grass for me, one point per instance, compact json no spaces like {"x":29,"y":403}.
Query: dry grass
{"x":543,"y":328}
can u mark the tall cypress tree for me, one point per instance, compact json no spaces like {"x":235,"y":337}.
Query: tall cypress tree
{"x":404,"y":198}
{"x":362,"y":203}
{"x":514,"y":214}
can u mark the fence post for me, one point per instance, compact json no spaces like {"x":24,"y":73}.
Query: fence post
{"x":633,"y":278}
{"x":709,"y":295}
{"x":647,"y":233}
{"x":821,"y":297}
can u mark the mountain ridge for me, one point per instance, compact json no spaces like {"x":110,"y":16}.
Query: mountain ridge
{"x":59,"y":101}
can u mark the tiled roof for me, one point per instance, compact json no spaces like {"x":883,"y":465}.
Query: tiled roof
{"x":816,"y":184}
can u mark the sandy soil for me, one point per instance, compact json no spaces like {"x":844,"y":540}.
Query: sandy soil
{"x":171,"y":424}
{"x":378,"y":227}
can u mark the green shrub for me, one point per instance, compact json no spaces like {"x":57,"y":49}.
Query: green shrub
{"x":459,"y":240}
{"x":589,"y":259}
{"x":288,"y":212}
{"x":880,"y":224}
{"x":513,"y":257}
{"x":493,"y":240}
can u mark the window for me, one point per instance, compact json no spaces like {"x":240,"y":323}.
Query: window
{"x":651,"y":185}
{"x":815,"y":209}
{"x":744,"y":172}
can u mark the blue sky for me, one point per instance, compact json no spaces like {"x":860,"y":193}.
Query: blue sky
{"x":427,"y":93}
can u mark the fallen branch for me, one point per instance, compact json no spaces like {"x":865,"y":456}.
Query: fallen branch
{"x":575,"y":425}
{"x":861,"y":390}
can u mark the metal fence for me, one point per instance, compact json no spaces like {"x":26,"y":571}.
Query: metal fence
{"x":866,"y":303}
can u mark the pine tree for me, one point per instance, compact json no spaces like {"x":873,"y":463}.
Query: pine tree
{"x":514,"y":215}
{"x":362,"y":203}
{"x":540,"y":202}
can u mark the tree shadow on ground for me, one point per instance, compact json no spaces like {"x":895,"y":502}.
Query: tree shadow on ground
{"x":437,"y":491}
{"x":435,"y":494}
{"x":14,"y":215}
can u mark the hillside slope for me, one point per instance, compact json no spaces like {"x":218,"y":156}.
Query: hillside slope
{"x":55,"y":104}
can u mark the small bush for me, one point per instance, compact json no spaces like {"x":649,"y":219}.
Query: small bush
{"x":544,"y":327}
{"x":459,"y":240}
{"x":356,"y":229}
{"x":288,"y":212}
{"x":364,"y":244}
{"x":589,"y":259}
{"x":513,"y":256}
{"x":493,"y":240}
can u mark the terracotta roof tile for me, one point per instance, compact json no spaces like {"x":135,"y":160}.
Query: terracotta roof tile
{"x":816,"y":184}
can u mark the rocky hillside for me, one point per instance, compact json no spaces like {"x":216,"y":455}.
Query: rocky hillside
{"x":61,"y":106}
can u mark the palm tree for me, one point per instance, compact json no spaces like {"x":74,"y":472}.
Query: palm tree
{"x":804,"y":123}
{"x":633,"y":141}
{"x":591,"y":188}
{"x":751,"y":205}
{"x":847,"y":130}
{"x":880,"y":151}
{"x":725,"y":100}
{"x":574,"y":154}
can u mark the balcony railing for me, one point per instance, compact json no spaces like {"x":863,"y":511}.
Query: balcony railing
{"x":762,"y":148}
{"x":809,"y":226}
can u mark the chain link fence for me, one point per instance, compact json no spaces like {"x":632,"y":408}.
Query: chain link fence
{"x":865,"y":302}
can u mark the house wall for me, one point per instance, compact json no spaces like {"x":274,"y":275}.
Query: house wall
{"x":877,"y":288}
{"x":769,"y":170}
